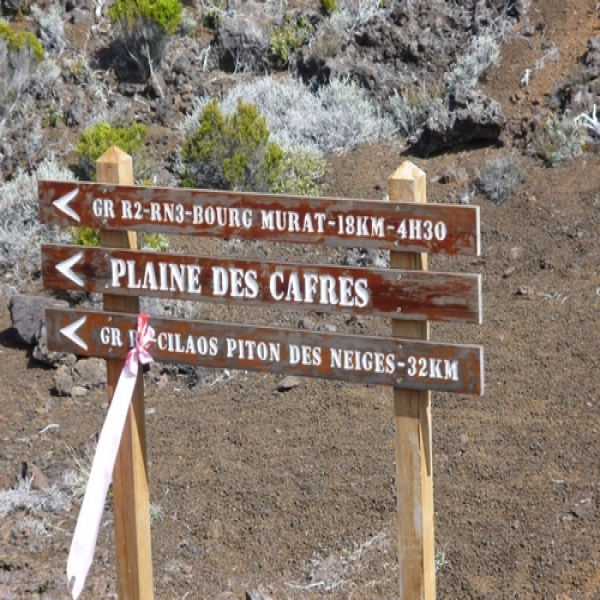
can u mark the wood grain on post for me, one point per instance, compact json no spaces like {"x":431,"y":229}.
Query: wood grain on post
{"x":130,"y":475}
{"x":414,"y":483}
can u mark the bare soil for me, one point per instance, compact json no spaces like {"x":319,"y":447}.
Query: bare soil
{"x":294,"y":493}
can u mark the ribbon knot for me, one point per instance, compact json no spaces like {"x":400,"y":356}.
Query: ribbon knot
{"x":83,"y":545}
{"x":139,"y":353}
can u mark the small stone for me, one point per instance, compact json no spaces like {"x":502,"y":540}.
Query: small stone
{"x":509,"y":271}
{"x":527,"y":31}
{"x":544,"y":264}
{"x":516,"y":253}
{"x":90,"y":373}
{"x":38,"y":480}
{"x":257,"y":595}
{"x":192,"y":548}
{"x":81,"y":16}
{"x":215,"y":530}
{"x":78,"y":392}
{"x":63,"y":381}
{"x":288,"y":383}
{"x":43,"y":355}
{"x":457,"y":175}
{"x":525,"y":291}
{"x":579,"y":503}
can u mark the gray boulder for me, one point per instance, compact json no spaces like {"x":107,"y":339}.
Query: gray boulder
{"x":463,"y":116}
{"x":27,"y":313}
{"x":63,"y":380}
{"x":90,"y":373}
{"x":591,"y":59}
{"x":43,"y":355}
{"x":242,"y":41}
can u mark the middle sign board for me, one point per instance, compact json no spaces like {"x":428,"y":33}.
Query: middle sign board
{"x":413,"y":295}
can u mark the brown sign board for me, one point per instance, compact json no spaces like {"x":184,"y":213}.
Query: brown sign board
{"x":412,"y":295}
{"x":400,"y":363}
{"x":407,"y":227}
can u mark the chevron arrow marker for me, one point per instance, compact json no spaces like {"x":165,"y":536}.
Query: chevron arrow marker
{"x":63,"y":204}
{"x":65,"y":268}
{"x":70,"y":332}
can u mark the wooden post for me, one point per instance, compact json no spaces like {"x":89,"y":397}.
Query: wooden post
{"x":414,"y":483}
{"x":130,"y":475}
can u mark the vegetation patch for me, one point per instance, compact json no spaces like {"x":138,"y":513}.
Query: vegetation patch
{"x":235,"y":151}
{"x":500,"y":177}
{"x":143,"y":29}
{"x":22,"y":40}
{"x":96,"y":140}
{"x":292,"y":34}
{"x":559,"y":138}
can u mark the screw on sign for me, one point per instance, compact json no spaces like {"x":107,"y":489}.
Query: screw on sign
{"x":407,"y":292}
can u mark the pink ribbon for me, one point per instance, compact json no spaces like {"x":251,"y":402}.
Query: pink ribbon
{"x":83,"y":545}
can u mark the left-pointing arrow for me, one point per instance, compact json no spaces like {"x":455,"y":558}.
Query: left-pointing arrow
{"x":63,"y":204}
{"x":70,"y":332}
{"x":65,"y":268}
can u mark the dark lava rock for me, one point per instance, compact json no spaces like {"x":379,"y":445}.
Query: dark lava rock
{"x":463,"y":116}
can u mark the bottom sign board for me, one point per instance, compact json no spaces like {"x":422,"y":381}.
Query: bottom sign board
{"x":409,"y":364}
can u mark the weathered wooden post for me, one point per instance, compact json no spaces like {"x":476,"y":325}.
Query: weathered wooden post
{"x":414,"y":483}
{"x":130,"y":477}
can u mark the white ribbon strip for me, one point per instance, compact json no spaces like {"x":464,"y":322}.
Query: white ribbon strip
{"x":83,"y":545}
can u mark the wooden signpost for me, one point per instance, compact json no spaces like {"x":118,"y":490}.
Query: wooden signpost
{"x":406,"y":292}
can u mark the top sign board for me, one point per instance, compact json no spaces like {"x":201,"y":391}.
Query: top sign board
{"x":407,"y":227}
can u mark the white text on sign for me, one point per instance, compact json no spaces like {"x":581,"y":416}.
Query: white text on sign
{"x":269,"y":220}
{"x":233,"y":282}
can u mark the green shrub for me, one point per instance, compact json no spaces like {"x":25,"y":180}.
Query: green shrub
{"x":52,"y":115}
{"x":164,"y":13}
{"x":96,"y":140}
{"x":292,"y":34}
{"x":153,"y":241}
{"x":143,"y":28}
{"x":84,"y":236}
{"x":329,"y":6}
{"x":17,"y":41}
{"x":296,"y":173}
{"x":88,"y":236}
{"x":231,"y":147}
{"x":234,"y":151}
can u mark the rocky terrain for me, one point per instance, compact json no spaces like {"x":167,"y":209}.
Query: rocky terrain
{"x":259,"y":491}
